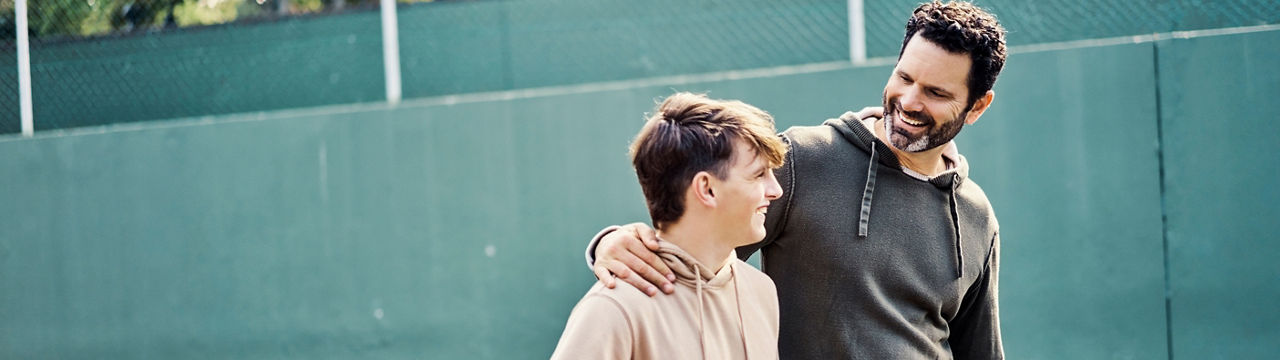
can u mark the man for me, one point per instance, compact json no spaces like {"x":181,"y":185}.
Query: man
{"x":881,"y":246}
{"x":706,"y":170}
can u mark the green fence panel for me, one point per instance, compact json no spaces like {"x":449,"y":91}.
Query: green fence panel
{"x":461,"y":225}
{"x":1067,"y":154}
{"x":804,"y":99}
{"x":1217,"y":97}
{"x":1034,"y":22}
{"x":291,"y":63}
{"x":438,"y":231}
{"x":454,"y":47}
{"x":455,"y":230}
{"x":587,"y":41}
{"x":10,"y":117}
{"x":450,"y":48}
{"x":479,"y":46}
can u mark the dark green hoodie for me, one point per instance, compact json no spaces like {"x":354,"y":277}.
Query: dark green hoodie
{"x":872,"y":263}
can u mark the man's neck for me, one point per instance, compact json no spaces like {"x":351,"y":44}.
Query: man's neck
{"x":928,"y":162}
{"x":699,"y":241}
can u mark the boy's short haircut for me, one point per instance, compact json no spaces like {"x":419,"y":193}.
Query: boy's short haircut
{"x":690,"y":133}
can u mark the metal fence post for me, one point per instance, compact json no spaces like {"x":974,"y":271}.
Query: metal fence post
{"x":857,"y":33}
{"x":391,"y":50}
{"x":24,"y":67}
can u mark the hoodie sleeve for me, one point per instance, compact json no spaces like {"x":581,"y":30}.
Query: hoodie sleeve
{"x":775,"y":220}
{"x":595,"y":241}
{"x":597,"y":329}
{"x":975,"y":332}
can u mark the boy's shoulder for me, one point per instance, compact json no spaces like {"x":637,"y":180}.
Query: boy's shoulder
{"x":755,"y":277}
{"x":626,"y":297}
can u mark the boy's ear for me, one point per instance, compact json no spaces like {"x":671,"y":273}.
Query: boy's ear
{"x":700,"y":189}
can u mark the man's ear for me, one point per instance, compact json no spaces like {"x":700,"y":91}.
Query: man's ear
{"x":700,"y":189}
{"x":979,"y":107}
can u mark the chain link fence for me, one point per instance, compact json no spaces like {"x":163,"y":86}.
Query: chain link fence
{"x":96,"y":62}
{"x":1046,"y":21}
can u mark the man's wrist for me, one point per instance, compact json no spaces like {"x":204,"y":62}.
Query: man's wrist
{"x":595,"y":241}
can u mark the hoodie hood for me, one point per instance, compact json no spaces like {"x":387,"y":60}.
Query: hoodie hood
{"x":858,"y":132}
{"x":688,"y":270}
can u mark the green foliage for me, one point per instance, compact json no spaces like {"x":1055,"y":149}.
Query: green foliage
{"x":206,"y":12}
{"x":96,"y":17}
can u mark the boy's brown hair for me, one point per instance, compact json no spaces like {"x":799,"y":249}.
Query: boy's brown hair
{"x":690,"y":133}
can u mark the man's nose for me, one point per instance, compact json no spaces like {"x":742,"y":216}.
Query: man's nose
{"x":910,"y":100}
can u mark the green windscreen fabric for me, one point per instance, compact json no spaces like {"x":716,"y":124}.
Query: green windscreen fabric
{"x":1046,"y":21}
{"x":456,"y":229}
{"x":1068,"y":155}
{"x":456,"y":47}
{"x":299,"y":62}
{"x":1217,"y":100}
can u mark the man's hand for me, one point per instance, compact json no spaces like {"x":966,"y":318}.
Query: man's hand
{"x":631,"y":250}
{"x":866,"y":112}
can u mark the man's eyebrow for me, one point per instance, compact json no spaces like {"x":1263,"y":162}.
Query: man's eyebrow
{"x":927,"y":87}
{"x":940,"y":91}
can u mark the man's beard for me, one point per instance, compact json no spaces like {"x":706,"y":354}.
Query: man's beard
{"x":934,"y":136}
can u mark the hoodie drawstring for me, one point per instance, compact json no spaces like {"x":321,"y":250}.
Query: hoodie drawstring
{"x":864,"y":216}
{"x":702,"y":333}
{"x":955,"y":221}
{"x":737,"y":299}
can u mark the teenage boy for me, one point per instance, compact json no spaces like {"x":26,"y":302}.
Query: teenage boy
{"x":706,"y":169}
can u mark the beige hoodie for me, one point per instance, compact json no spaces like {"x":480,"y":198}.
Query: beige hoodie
{"x":732,"y":314}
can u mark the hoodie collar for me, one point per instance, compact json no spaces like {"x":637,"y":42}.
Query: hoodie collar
{"x":859,"y":133}
{"x":687,"y":269}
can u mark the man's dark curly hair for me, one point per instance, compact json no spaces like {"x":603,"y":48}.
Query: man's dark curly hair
{"x":961,"y":27}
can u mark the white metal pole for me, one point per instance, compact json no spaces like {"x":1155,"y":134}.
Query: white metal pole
{"x":391,"y":50}
{"x":24,"y":68}
{"x":857,"y":33}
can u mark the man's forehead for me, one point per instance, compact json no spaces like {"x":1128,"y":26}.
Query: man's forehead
{"x":927,"y":62}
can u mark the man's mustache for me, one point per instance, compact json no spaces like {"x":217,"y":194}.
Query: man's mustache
{"x":892,"y":106}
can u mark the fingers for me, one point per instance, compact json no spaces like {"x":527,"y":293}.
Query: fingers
{"x":642,"y":284}
{"x":645,"y":234}
{"x":651,"y":269}
{"x":602,"y":274}
{"x":659,"y":273}
{"x":621,"y":270}
{"x":650,"y":239}
{"x":625,"y":253}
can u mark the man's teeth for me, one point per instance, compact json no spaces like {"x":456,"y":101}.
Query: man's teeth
{"x":762,"y":211}
{"x":911,"y":122}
